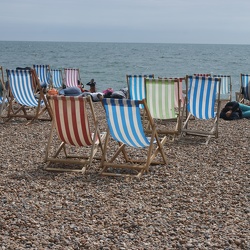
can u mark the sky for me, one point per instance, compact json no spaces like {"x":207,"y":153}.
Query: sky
{"x":133,"y":21}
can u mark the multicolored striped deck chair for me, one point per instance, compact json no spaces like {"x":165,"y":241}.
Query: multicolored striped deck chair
{"x":57,"y":78}
{"x":43,"y":73}
{"x":22,"y":96}
{"x":126,"y":129}
{"x":160,"y":96}
{"x":201,"y":102}
{"x":225,"y":87}
{"x":71,"y":77}
{"x":78,"y":134}
{"x":4,"y":92}
{"x":244,"y":95}
{"x":136,"y":86}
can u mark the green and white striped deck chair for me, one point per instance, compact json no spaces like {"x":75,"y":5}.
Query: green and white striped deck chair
{"x":160,"y":97}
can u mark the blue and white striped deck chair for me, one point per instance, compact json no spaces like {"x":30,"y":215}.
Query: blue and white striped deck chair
{"x":57,"y":78}
{"x":201,"y":102}
{"x":4,"y":93}
{"x":29,"y":106}
{"x":244,"y":94}
{"x":136,"y":86}
{"x":225,"y":87}
{"x":43,"y":74}
{"x":125,"y":127}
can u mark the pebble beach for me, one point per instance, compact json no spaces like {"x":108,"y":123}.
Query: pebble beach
{"x":198,"y":200}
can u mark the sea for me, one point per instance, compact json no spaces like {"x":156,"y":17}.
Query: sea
{"x":108,"y":63}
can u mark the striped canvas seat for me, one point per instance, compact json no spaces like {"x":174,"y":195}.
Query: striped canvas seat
{"x":71,"y":121}
{"x":161,"y":96}
{"x":136,"y":86}
{"x":225,"y":87}
{"x":244,"y":94}
{"x":22,"y":84}
{"x":43,"y":73}
{"x":4,"y":97}
{"x":71,"y":77}
{"x":57,"y":78}
{"x":201,"y":102}
{"x":178,"y":90}
{"x":125,"y":127}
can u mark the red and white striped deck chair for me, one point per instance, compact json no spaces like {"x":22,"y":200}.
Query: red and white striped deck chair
{"x":77,"y":129}
{"x":71,"y":77}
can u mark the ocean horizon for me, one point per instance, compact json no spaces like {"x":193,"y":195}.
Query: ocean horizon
{"x":108,"y":63}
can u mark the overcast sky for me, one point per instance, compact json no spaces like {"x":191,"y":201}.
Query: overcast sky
{"x":161,"y":21}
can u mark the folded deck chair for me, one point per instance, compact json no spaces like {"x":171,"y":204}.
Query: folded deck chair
{"x":225,"y":87}
{"x":4,"y":92}
{"x":160,"y":96}
{"x":244,"y":95}
{"x":76,"y":126}
{"x":126,"y":129}
{"x":57,"y":78}
{"x":43,"y":73}
{"x":201,"y":103}
{"x":136,"y":86}
{"x":24,"y":102}
{"x":71,"y":77}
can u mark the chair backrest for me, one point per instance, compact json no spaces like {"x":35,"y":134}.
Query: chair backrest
{"x":71,"y":117}
{"x":136,"y":86}
{"x":71,"y":77}
{"x":57,"y":78}
{"x":244,"y":83}
{"x":160,"y":96}
{"x":21,"y":83}
{"x":225,"y":87}
{"x":43,"y":73}
{"x":178,"y":90}
{"x":124,"y":121}
{"x":201,"y":96}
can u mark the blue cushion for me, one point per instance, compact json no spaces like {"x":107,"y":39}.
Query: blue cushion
{"x":70,"y":91}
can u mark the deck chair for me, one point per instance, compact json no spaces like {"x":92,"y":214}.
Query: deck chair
{"x":24,"y":102}
{"x":226,"y":87}
{"x":244,"y":95}
{"x":136,"y":87}
{"x":76,"y":126}
{"x":201,"y":102}
{"x":160,"y":97}
{"x":43,"y":73}
{"x":57,"y":78}
{"x":126,"y":129}
{"x":71,"y":77}
{"x":178,"y":89}
{"x":4,"y":92}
